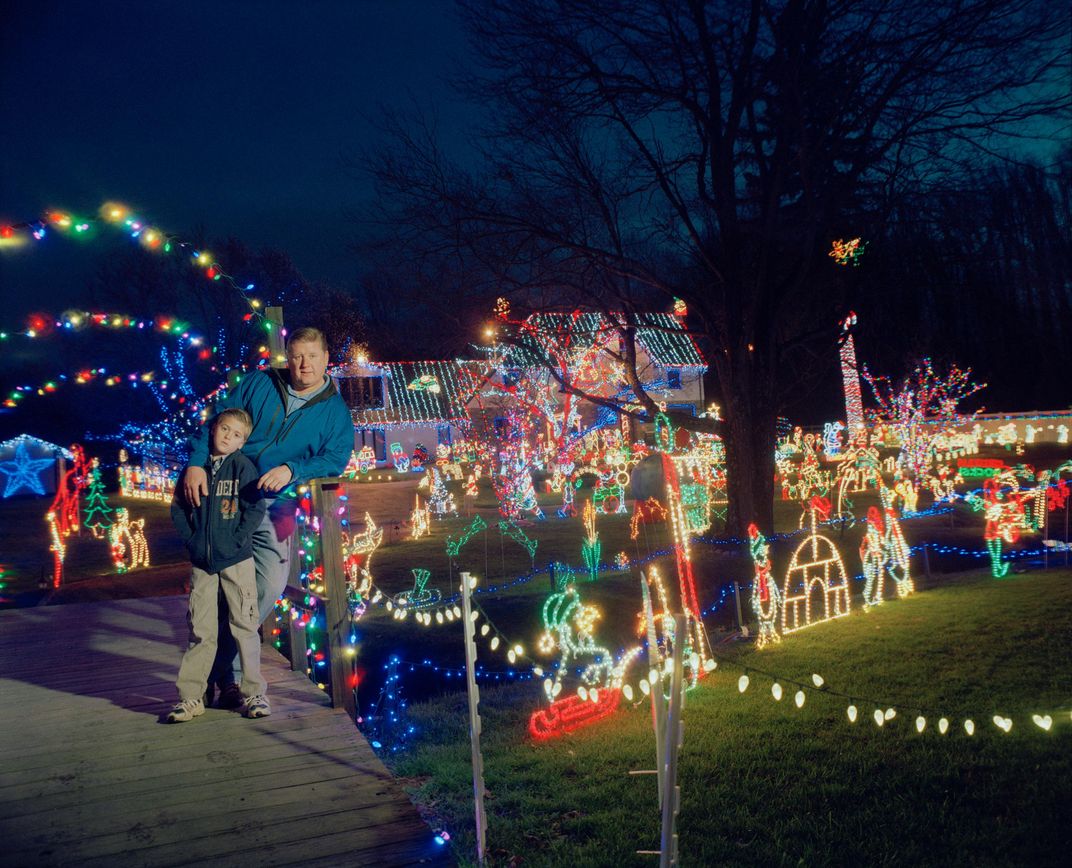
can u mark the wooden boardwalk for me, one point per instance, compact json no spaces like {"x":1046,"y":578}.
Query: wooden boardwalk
{"x":89,"y":776}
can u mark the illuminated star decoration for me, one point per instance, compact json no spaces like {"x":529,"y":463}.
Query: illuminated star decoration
{"x":847,"y":252}
{"x":24,"y":472}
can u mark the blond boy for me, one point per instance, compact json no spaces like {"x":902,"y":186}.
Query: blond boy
{"x":219,"y":538}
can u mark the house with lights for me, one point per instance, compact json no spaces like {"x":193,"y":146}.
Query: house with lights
{"x":668,"y":362}
{"x":399,"y":406}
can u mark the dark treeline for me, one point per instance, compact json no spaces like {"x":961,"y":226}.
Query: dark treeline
{"x":980,"y":275}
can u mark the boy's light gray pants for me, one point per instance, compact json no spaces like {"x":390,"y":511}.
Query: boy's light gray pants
{"x":239,"y":586}
{"x":271,"y":555}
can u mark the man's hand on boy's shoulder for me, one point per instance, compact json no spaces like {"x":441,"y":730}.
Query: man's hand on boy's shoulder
{"x":195,"y":485}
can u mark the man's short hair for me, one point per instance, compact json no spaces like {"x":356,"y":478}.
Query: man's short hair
{"x":235,"y":414}
{"x":307,"y":334}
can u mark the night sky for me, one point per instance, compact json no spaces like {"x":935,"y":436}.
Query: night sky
{"x":236,"y":116}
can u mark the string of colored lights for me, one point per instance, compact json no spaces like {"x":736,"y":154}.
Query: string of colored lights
{"x":151,"y":237}
{"x":43,"y":325}
{"x":79,"y":378}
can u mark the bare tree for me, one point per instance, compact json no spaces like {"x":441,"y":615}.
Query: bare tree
{"x":640,"y":150}
{"x":335,"y":312}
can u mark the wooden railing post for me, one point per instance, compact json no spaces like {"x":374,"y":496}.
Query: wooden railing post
{"x":277,"y":353}
{"x":326,"y":505}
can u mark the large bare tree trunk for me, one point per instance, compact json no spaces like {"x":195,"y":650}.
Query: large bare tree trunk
{"x":750,"y":439}
{"x":747,"y":382}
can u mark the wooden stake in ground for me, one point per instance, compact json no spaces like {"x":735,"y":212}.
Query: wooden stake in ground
{"x":326,"y":493}
{"x":671,"y":800}
{"x":666,"y":719}
{"x":474,"y":718}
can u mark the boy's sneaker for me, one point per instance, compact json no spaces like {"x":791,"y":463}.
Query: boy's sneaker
{"x":230,"y":696}
{"x":186,"y":710}
{"x":257,"y":706}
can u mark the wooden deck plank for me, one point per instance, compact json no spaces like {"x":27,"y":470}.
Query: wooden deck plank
{"x":13,"y":759}
{"x":100,"y":832}
{"x":171,"y":760}
{"x":89,"y":776}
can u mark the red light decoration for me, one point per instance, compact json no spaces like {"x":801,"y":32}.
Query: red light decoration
{"x":566,"y":715}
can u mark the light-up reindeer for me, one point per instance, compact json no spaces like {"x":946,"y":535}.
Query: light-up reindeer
{"x":357,"y":560}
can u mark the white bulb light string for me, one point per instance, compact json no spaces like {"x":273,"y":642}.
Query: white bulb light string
{"x":923,"y":717}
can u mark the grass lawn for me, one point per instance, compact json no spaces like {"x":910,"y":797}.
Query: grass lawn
{"x":766,"y":783}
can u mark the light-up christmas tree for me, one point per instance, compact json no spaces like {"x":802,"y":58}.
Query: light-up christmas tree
{"x":97,"y":509}
{"x":440,"y":500}
{"x":923,"y":406}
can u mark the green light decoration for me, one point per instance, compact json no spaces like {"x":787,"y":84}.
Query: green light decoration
{"x":590,"y":545}
{"x":696,"y":503}
{"x":424,"y":383}
{"x":508,"y":528}
{"x":97,"y":510}
{"x":664,"y":433}
{"x":569,"y":628}
{"x":454,"y":546}
{"x":421,"y":596}
{"x":610,"y":497}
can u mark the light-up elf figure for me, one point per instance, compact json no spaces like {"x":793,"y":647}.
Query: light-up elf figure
{"x":883,"y":551}
{"x":766,"y":598}
{"x":1002,"y":507}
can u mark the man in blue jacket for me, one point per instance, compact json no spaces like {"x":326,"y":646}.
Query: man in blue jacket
{"x":301,"y":430}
